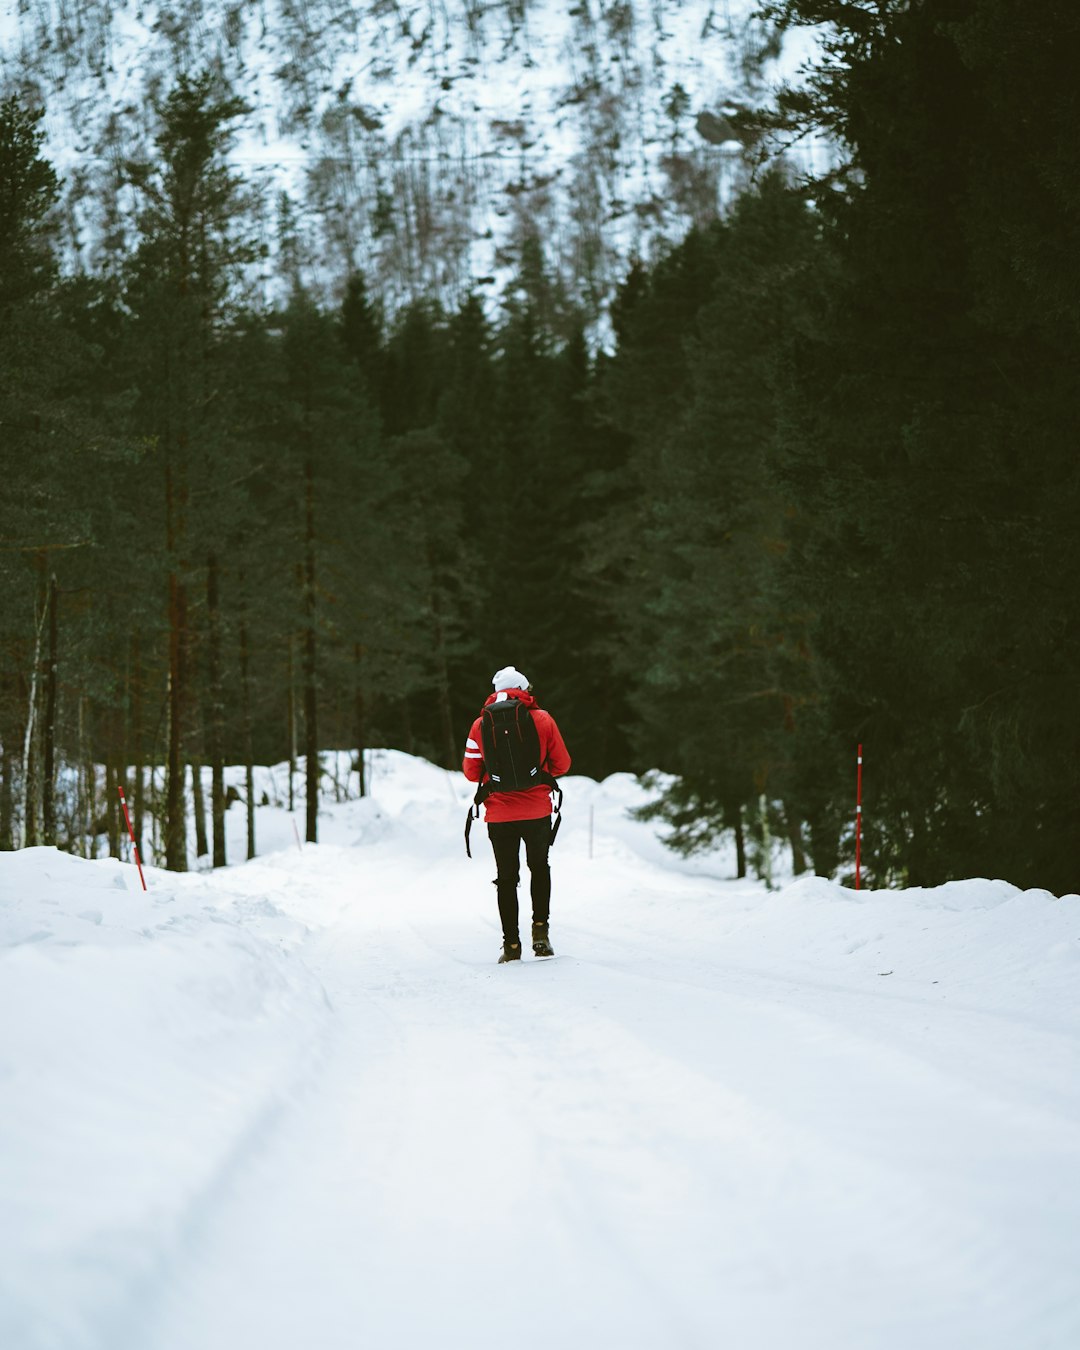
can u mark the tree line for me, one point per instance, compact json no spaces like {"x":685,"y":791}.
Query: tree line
{"x":819,"y":490}
{"x":856,"y":401}
{"x":236,"y":532}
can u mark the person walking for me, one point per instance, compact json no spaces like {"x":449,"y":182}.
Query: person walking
{"x":514,"y":753}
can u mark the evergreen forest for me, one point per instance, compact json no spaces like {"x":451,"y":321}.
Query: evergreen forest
{"x":818,"y":486}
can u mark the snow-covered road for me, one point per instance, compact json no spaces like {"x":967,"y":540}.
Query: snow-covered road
{"x":720,"y":1117}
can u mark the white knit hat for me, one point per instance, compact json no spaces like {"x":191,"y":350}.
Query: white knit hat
{"x":509,"y":678}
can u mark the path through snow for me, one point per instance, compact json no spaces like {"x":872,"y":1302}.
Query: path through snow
{"x":720,"y":1117}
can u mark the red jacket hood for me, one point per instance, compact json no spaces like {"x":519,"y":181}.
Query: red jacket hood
{"x":520,"y":694}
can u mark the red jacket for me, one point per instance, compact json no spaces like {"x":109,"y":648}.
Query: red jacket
{"x":531,"y":803}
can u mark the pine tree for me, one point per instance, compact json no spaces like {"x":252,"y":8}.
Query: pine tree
{"x":181,"y":280}
{"x":52,"y":454}
{"x":28,"y":187}
{"x":718,"y":654}
{"x":930,"y":424}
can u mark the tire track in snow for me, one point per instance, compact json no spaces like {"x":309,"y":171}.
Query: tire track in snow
{"x":632,"y":1150}
{"x":912,"y":1158}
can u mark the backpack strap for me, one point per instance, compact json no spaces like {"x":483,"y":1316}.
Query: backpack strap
{"x":468,"y":829}
{"x":483,"y":792}
{"x":556,"y":803}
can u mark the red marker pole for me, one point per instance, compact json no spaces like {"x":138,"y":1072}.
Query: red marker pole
{"x":134,"y":845}
{"x":858,"y":817}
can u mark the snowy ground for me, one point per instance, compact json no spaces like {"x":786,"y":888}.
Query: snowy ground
{"x":295,"y":1103}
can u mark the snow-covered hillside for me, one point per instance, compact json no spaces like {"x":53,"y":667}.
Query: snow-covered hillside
{"x":420,"y":142}
{"x":296,"y":1103}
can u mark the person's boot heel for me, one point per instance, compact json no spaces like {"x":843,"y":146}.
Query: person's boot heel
{"x":540,"y":941}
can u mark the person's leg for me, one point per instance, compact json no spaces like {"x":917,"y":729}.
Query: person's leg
{"x":537,"y":836}
{"x":505,"y":836}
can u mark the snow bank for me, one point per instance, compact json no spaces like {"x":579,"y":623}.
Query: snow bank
{"x":147,"y":1042}
{"x":986,"y":942}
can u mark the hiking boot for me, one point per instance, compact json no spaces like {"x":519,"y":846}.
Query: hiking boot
{"x":511,"y":952}
{"x":541,"y":944}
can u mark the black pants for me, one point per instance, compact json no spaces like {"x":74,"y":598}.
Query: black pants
{"x":506,"y":838}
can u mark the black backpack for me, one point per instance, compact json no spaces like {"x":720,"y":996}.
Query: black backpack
{"x":510,"y":745}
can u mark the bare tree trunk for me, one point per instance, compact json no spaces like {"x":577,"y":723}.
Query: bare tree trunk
{"x":120,"y":722}
{"x":86,"y":790}
{"x":740,"y":842}
{"x":194,"y":742}
{"x":7,"y":770}
{"x":249,"y":786}
{"x":30,"y":833}
{"x":311,"y":740}
{"x":175,"y":822}
{"x":217,"y":709}
{"x":291,"y":714}
{"x":311,"y":701}
{"x":249,"y":769}
{"x":198,"y":800}
{"x":138,"y":794}
{"x":112,"y":802}
{"x":824,"y":847}
{"x":794,"y":834}
{"x":175,"y":816}
{"x":359,"y":719}
{"x":7,"y":800}
{"x":155,"y":814}
{"x":31,"y":838}
{"x":48,"y":784}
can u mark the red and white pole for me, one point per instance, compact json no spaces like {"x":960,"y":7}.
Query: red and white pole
{"x":858,"y":817}
{"x":134,"y":845}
